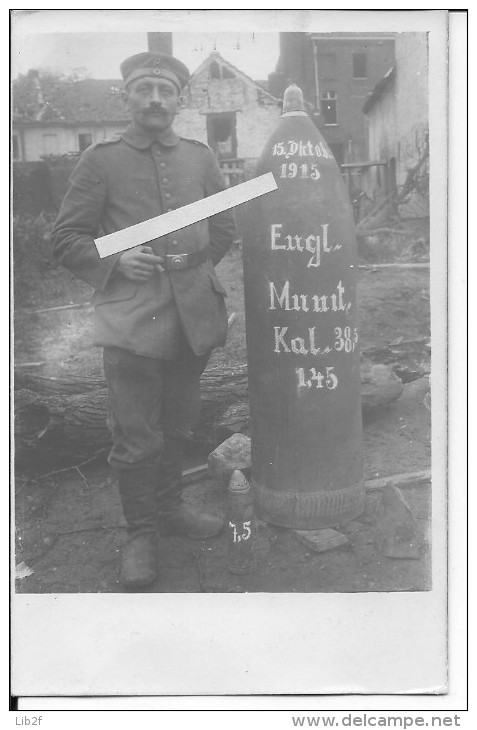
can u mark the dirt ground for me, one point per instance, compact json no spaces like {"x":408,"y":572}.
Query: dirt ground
{"x":69,"y":526}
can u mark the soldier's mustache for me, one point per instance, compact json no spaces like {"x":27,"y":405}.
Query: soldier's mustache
{"x":154,"y":110}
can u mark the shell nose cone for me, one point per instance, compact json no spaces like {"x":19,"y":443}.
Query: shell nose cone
{"x":293,"y":99}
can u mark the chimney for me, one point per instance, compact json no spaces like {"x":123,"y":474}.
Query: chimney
{"x":34,"y":77}
{"x":159,"y":43}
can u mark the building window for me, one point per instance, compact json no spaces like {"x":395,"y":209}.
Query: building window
{"x":15,"y":148}
{"x":222,"y":134}
{"x":85,"y":140}
{"x":220,"y":72}
{"x":359,"y":65}
{"x":329,"y":102}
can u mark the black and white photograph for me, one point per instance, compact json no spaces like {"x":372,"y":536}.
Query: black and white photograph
{"x":226,"y":259}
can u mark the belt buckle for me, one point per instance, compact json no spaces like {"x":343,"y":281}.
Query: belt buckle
{"x":177,"y":261}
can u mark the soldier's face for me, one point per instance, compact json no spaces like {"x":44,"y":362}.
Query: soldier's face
{"x":152,"y":103}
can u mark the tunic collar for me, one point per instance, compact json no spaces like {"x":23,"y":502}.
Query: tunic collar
{"x":138,"y":139}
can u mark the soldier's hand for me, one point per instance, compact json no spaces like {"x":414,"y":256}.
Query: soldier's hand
{"x":140,"y":264}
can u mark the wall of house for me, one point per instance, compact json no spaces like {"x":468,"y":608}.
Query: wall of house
{"x":335,"y":73}
{"x":412,"y":91}
{"x":256,"y":113}
{"x":398,"y":123}
{"x":62,"y":139}
{"x":382,"y":132}
{"x":191,"y":124}
{"x":219,"y":95}
{"x":254,"y":126}
{"x":382,"y":142}
{"x":332,"y":70}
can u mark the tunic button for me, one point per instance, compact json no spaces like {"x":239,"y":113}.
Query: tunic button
{"x":168,"y":195}
{"x":162,"y":164}
{"x":174,"y":243}
{"x":165,"y":180}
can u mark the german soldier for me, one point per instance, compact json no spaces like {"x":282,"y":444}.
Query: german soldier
{"x":159,"y":308}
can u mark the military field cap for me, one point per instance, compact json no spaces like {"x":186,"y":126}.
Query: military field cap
{"x":158,"y":65}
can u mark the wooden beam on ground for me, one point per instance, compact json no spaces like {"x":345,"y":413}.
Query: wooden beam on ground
{"x":397,"y":266}
{"x":408,"y":479}
{"x":63,"y":308}
{"x":37,"y":364}
{"x":195,"y":474}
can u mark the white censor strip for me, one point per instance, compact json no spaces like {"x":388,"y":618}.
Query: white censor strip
{"x":185,"y":216}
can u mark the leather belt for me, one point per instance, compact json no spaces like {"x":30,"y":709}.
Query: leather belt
{"x":178,"y":261}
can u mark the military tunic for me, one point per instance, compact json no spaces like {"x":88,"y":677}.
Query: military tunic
{"x":124,"y":181}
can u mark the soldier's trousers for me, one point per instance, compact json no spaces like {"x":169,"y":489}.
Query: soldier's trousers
{"x":153,"y":405}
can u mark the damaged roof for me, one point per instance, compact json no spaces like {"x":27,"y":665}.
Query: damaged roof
{"x":231,"y":71}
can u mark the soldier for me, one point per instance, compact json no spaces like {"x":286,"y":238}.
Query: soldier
{"x":159,"y":309}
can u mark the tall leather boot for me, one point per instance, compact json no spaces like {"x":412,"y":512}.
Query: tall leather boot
{"x":137,"y":489}
{"x":174,"y":515}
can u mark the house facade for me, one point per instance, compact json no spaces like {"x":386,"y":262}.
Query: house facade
{"x":337,"y":72}
{"x":54,"y":116}
{"x":31,"y":142}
